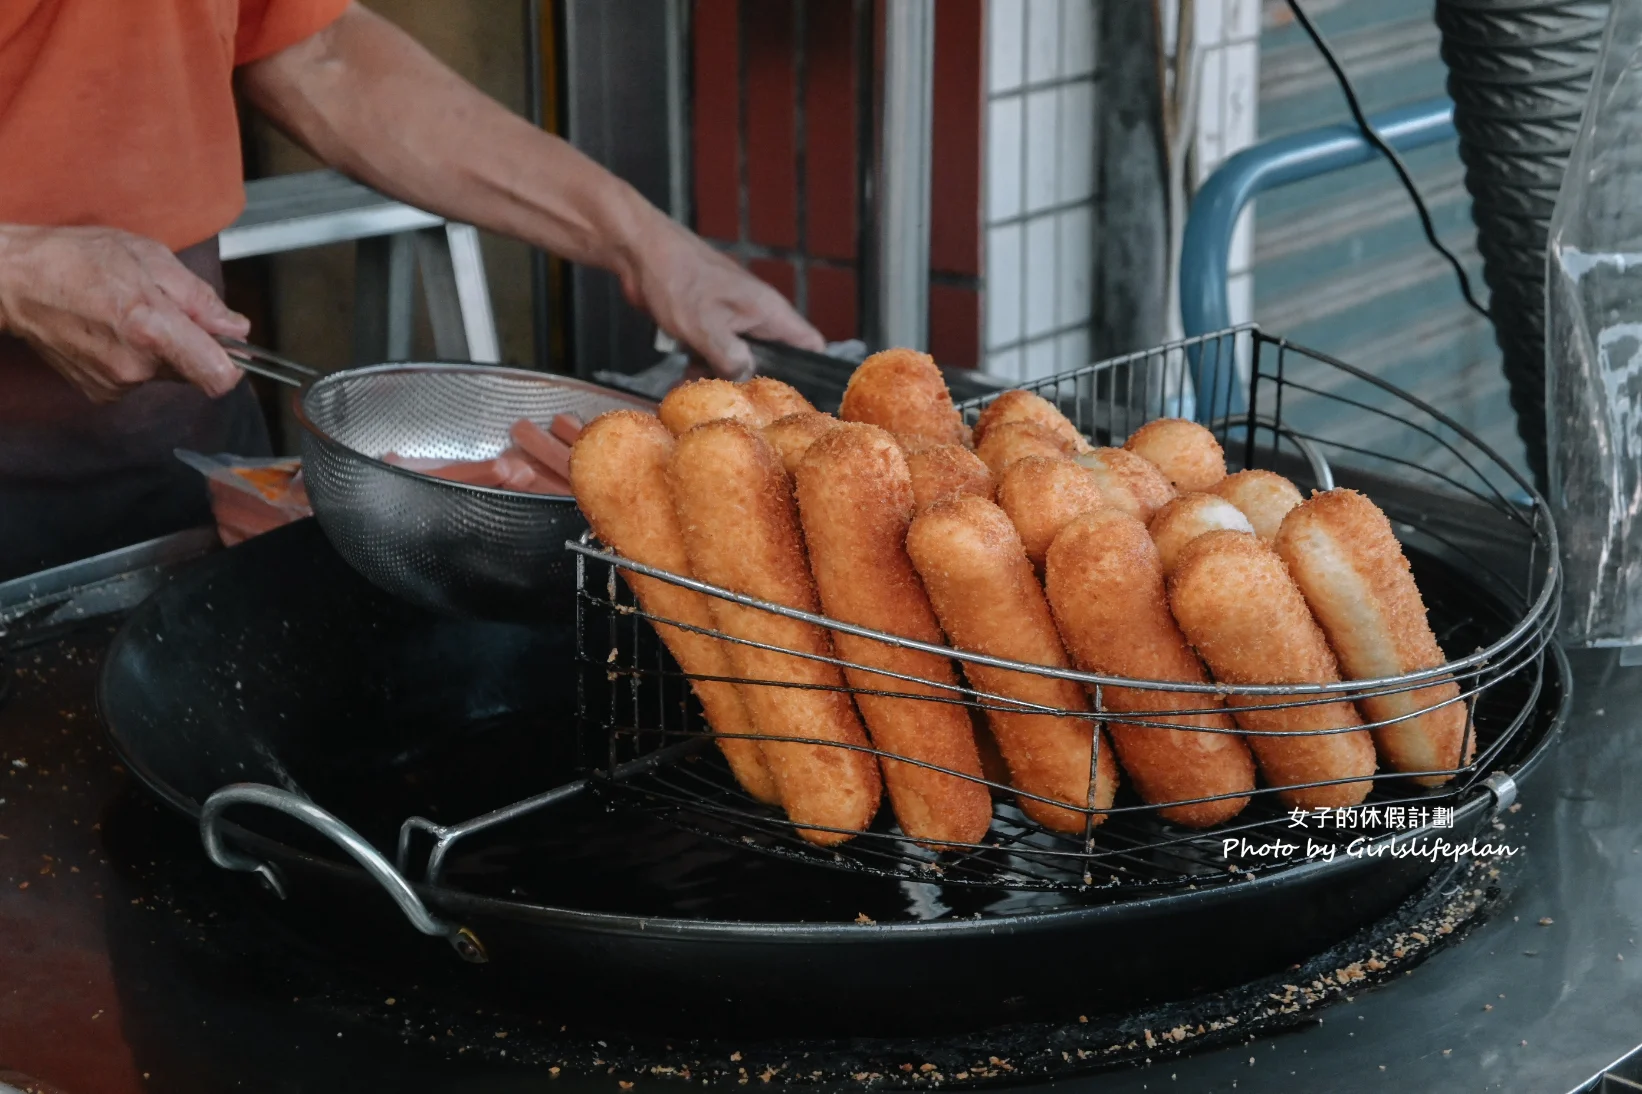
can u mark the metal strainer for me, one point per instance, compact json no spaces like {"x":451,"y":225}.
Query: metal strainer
{"x":459,"y":549}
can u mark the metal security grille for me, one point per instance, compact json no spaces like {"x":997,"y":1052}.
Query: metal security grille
{"x":1340,"y":262}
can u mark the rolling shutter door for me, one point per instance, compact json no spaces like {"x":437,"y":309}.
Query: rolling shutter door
{"x":1340,"y":262}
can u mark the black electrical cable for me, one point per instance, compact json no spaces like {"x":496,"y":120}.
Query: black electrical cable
{"x":1389,"y":153}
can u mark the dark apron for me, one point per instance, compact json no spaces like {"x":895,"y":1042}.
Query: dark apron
{"x":78,"y":478}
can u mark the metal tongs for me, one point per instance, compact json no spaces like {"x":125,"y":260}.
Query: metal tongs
{"x":267,"y":364}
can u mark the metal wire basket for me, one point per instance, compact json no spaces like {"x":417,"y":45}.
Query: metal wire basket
{"x":1479,"y":538}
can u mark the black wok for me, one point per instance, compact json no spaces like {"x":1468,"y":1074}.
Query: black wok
{"x":275,"y":663}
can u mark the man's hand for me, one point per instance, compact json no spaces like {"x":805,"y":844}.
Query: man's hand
{"x":702,"y":298}
{"x":111,"y":310}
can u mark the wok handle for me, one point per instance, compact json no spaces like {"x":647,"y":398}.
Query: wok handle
{"x":461,"y":939}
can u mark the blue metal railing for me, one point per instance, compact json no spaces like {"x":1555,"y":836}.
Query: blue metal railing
{"x":1205,"y":250}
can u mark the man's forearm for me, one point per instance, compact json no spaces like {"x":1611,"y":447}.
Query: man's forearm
{"x":367,"y":99}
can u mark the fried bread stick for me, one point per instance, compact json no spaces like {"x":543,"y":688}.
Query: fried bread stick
{"x":1007,"y":442}
{"x":1024,"y":406}
{"x":1105,"y":585}
{"x":741,"y":533}
{"x":791,"y":436}
{"x":1265,"y":497}
{"x":1189,"y":516}
{"x":1042,"y":496}
{"x":1186,"y":452}
{"x":618,"y":474}
{"x":855,"y":502}
{"x":1128,"y":482}
{"x":775,"y":399}
{"x":989,"y":601}
{"x":1235,"y":602}
{"x":902,"y":390}
{"x":1344,"y":556}
{"x":941,"y":470}
{"x":698,"y":401}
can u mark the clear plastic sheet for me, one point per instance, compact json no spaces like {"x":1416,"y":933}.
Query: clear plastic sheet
{"x":1593,"y":351}
{"x":249,"y":497}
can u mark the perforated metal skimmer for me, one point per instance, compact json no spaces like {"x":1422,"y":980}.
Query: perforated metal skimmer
{"x":451,"y":547}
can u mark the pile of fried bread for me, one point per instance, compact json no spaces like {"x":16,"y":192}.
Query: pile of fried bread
{"x":1019,"y":540}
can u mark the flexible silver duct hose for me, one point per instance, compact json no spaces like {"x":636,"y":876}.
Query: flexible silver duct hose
{"x":1518,"y":72}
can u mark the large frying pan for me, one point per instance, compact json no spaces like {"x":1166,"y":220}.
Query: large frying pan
{"x":275,"y":663}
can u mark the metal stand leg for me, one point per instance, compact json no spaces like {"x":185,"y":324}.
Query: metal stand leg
{"x":903,"y":212}
{"x":315,"y":208}
{"x":384,"y":299}
{"x":458,"y":295}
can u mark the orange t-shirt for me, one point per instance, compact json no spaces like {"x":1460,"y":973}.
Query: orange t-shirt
{"x":121,"y":113}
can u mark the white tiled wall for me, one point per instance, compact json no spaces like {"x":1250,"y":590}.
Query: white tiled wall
{"x":1005,"y":144}
{"x":1040,"y":184}
{"x":1003,"y":269}
{"x":1041,"y":156}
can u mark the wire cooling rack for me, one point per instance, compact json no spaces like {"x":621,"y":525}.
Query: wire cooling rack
{"x":1481,"y":543}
